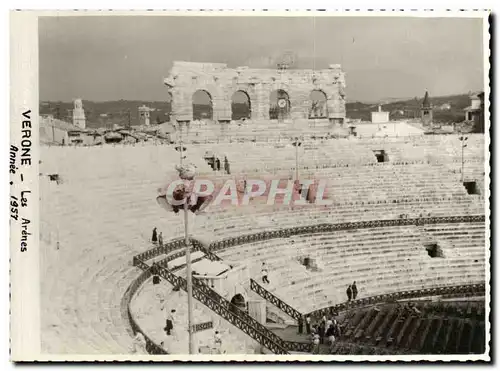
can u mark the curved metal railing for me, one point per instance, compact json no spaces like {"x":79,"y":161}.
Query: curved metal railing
{"x":220,"y":305}
{"x":293,"y":231}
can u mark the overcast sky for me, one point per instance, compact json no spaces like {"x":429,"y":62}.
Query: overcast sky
{"x":112,"y":58}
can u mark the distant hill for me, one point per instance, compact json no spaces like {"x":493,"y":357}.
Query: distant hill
{"x":105,"y":114}
{"x":411,"y":108}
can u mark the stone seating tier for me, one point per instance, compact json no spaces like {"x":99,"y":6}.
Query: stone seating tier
{"x":103,"y":212}
{"x":110,"y":161}
{"x":396,"y":258}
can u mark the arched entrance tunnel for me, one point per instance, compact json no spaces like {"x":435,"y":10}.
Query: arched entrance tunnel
{"x":238,"y":303}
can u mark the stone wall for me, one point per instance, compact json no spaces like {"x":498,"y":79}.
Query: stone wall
{"x":221,"y":82}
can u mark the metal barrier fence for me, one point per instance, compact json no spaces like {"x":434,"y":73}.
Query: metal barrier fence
{"x":273,"y":299}
{"x":471,"y":289}
{"x":293,"y":231}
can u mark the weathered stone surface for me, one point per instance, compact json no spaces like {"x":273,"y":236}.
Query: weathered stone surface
{"x":221,"y":82}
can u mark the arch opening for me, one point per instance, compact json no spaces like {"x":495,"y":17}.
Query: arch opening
{"x":168,"y":107}
{"x":318,"y":108}
{"x":279,"y":105}
{"x":202,"y":105}
{"x":240,"y":106}
{"x":238,"y":303}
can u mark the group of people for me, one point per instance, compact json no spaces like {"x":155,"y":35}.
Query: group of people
{"x":327,"y":330}
{"x":216,"y":164}
{"x":157,"y":238}
{"x":352,"y":292}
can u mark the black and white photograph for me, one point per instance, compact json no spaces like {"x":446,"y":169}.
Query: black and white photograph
{"x":250,"y":186}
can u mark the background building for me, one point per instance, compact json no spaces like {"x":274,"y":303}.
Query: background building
{"x":426,"y":110}
{"x":380,"y":116}
{"x":475,"y":112}
{"x":79,"y":114}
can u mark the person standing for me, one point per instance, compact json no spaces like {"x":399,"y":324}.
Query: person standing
{"x":336,"y":330}
{"x":217,"y":342}
{"x":322,"y":331}
{"x":264,"y":274}
{"x":330,"y":336}
{"x":154,"y":238}
{"x":315,"y":340}
{"x":354,"y":290}
{"x":301,"y":325}
{"x":170,"y":322}
{"x":139,"y":344}
{"x":226,"y":165}
{"x":328,"y":323}
{"x":160,"y":239}
{"x":308,"y":325}
{"x":217,"y":164}
{"x":349,"y":293}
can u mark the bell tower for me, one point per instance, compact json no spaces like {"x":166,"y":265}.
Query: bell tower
{"x":426,"y":110}
{"x":79,"y":114}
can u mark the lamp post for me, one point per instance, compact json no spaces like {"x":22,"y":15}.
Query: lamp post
{"x":297,"y":143}
{"x":463,"y":141}
{"x":181,"y":149}
{"x":189,"y":278}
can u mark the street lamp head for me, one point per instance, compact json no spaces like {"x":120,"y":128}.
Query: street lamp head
{"x":186,"y":172}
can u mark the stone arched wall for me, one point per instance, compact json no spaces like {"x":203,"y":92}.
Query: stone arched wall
{"x":210,"y":95}
{"x":222,"y":82}
{"x":250,"y":93}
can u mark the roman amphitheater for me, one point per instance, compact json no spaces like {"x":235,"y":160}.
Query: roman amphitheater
{"x":407,"y":222}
